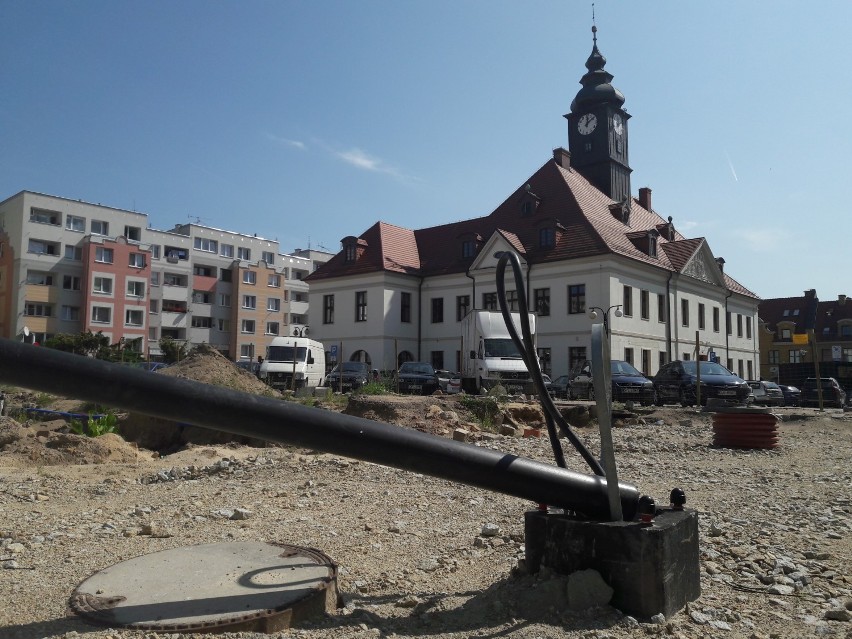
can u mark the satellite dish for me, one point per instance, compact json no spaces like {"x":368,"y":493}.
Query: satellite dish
{"x":26,"y":331}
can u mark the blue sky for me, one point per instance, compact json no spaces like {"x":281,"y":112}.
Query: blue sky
{"x":309,"y":121}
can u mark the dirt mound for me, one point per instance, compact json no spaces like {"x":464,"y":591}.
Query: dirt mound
{"x":209,"y":366}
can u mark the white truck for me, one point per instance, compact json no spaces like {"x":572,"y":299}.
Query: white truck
{"x":293,"y":363}
{"x":489,"y":356}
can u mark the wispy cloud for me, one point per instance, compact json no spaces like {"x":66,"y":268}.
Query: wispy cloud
{"x":731,"y":164}
{"x":765,"y":240}
{"x":362,"y":160}
{"x":298,"y":144}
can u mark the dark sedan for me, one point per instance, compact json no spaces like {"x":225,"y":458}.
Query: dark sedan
{"x":418,"y":378}
{"x":677,"y":382}
{"x":832,"y":393}
{"x":628,"y":384}
{"x":559,"y":387}
{"x":792,"y":395}
{"x":348,"y":376}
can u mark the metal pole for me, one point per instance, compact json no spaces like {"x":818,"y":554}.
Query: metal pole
{"x":230,"y":411}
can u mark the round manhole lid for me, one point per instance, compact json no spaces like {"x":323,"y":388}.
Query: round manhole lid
{"x":240,"y":585}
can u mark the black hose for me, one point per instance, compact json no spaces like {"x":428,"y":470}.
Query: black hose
{"x":525,"y":346}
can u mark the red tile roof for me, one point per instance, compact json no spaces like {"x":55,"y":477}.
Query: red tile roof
{"x":578,"y":212}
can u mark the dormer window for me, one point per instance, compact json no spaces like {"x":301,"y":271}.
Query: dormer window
{"x":468,"y":249}
{"x":349,"y":253}
{"x":652,"y":243}
{"x":546,"y":237}
{"x":529,"y":201}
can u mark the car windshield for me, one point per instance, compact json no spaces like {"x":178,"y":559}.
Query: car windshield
{"x":285,"y":354}
{"x":416,"y":367}
{"x":351,"y":367}
{"x":707,"y":368}
{"x":772,"y":385}
{"x":503,"y":347}
{"x":623,"y":368}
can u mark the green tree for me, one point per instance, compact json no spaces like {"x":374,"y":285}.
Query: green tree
{"x":173,"y":351}
{"x":86,"y":343}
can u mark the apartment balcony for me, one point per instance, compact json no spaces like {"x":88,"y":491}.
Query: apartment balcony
{"x":298,"y":308}
{"x":203,"y":283}
{"x":173,"y":292}
{"x":173,"y":319}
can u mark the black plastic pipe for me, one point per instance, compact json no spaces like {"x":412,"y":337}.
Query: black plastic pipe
{"x":273,"y":420}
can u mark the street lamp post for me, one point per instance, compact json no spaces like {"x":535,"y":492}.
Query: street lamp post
{"x":593,"y":313}
{"x":297,"y":332}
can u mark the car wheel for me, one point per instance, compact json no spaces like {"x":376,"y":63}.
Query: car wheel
{"x":684,"y":400}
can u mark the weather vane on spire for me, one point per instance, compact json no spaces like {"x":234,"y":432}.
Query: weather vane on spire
{"x":594,"y":28}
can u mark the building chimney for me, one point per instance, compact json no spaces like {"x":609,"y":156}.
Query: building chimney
{"x":562,"y":157}
{"x":721,"y":262}
{"x":841,"y":299}
{"x":645,"y":198}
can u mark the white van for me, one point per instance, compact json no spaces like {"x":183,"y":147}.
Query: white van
{"x":293,"y":363}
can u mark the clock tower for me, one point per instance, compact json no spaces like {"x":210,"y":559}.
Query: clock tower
{"x":597,"y":130}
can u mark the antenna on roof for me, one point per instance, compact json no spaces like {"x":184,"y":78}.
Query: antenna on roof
{"x":594,"y":28}
{"x":197,"y":219}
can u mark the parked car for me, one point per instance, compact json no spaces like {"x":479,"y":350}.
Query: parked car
{"x":559,"y":387}
{"x":417,"y":377}
{"x":676,"y":382}
{"x":628,"y":384}
{"x":355,"y":375}
{"x":792,"y":395}
{"x":249,"y":366}
{"x":832,"y":393}
{"x":766,"y":393}
{"x":443,"y":378}
{"x":454,"y":384}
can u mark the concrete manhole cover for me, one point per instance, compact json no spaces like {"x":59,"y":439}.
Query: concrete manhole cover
{"x":253,"y":586}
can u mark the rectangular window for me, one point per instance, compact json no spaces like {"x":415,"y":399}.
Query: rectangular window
{"x":684,"y":312}
{"x":43,"y":216}
{"x":223,"y":325}
{"x":774,"y":357}
{"x":205,"y":244}
{"x":70,"y":282}
{"x":136,"y":289}
{"x":155,"y":251}
{"x":133,"y":233}
{"x":137,"y":260}
{"x":272,"y":328}
{"x":154,"y":307}
{"x":249,"y":302}
{"x":739,"y":325}
{"x":155,"y":278}
{"x":103,"y":255}
{"x":544,"y":360}
{"x":361,"y":306}
{"x":75,"y":223}
{"x":437,"y":310}
{"x":627,"y":303}
{"x":661,"y":308}
{"x":701,"y":316}
{"x":512,"y":300}
{"x":38,"y":310}
{"x":99,"y":227}
{"x":328,"y":309}
{"x":576,"y":355}
{"x":546,"y":238}
{"x":405,"y":308}
{"x":628,"y":356}
{"x":70,"y":313}
{"x":644,"y":305}
{"x":243,"y":253}
{"x":273,"y":304}
{"x":462,"y":306}
{"x":268,"y":257}
{"x":74,"y":253}
{"x":542,"y":301}
{"x":715,"y":319}
{"x":133,"y":317}
{"x":201,"y":322}
{"x":43,"y":247}
{"x":247,"y":326}
{"x":249,"y":277}
{"x":646,"y":361}
{"x":489,"y":301}
{"x":103,"y":285}
{"x":846,"y":355}
{"x":39,"y":278}
{"x":729,"y":326}
{"x":202,"y":297}
{"x":225,"y":300}
{"x":226,"y":250}
{"x":468,"y":249}
{"x":576,"y":299}
{"x":662,"y":358}
{"x":437,"y":358}
{"x":748,"y":328}
{"x":274,"y":280}
{"x":730,"y":365}
{"x":749,"y":370}
{"x":101,"y":314}
{"x":795,"y":356}
{"x":740,"y":368}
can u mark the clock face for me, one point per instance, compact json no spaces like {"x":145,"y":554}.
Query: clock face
{"x":587,"y":123}
{"x":617,"y":124}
